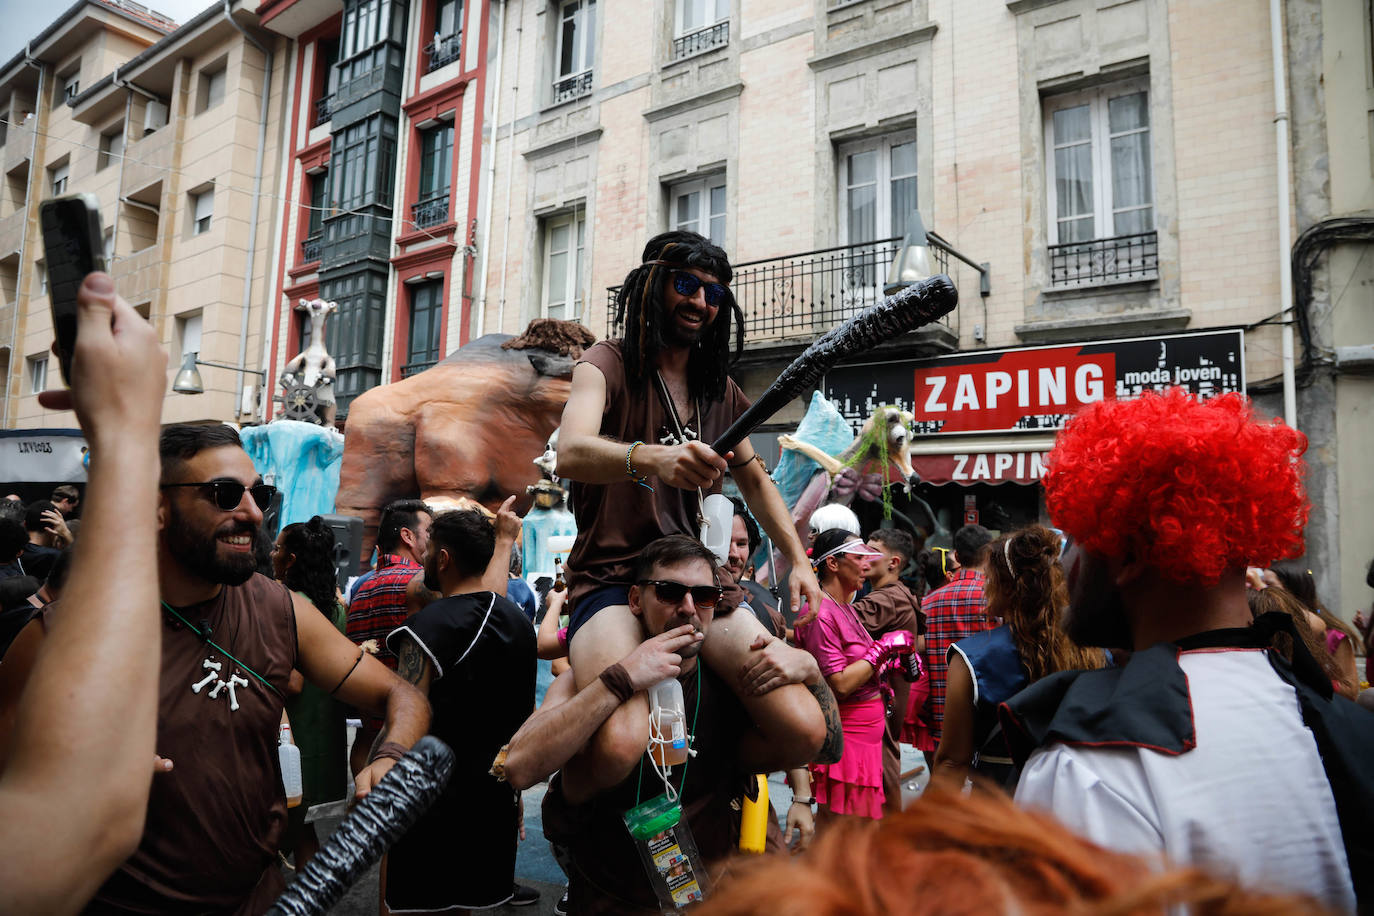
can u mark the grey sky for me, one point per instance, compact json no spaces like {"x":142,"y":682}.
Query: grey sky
{"x":24,"y":19}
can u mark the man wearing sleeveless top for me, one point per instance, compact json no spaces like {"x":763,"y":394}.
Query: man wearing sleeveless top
{"x":634,"y":442}
{"x":230,"y":640}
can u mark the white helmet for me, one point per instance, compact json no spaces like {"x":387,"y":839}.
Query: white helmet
{"x":834,"y":515}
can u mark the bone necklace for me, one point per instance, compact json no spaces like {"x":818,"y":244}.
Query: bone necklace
{"x":216,"y":669}
{"x":681,"y":435}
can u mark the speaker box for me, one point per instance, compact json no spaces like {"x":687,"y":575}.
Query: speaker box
{"x":348,"y":544}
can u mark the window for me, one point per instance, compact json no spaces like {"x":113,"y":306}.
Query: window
{"x":426,"y":311}
{"x":319,"y":185}
{"x":699,"y":206}
{"x":877,"y":195}
{"x":188,"y":333}
{"x":327,"y":77}
{"x":564,"y":241}
{"x":354,"y":337}
{"x":4,"y":126}
{"x":70,"y":85}
{"x":111,"y":147}
{"x":699,"y":14}
{"x":38,"y":373}
{"x":202,"y":210}
{"x":436,"y":169}
{"x":447,"y":45}
{"x":57,"y":178}
{"x":1100,"y":177}
{"x":363,"y":167}
{"x":368,"y":22}
{"x":576,"y":49}
{"x":211,"y":87}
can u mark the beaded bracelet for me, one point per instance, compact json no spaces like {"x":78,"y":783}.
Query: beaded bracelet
{"x":631,"y":472}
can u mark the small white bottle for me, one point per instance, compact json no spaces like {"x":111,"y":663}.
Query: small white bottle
{"x":667,"y":723}
{"x":290,"y":757}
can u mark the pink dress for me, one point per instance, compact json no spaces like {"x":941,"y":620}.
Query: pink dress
{"x":854,"y":785}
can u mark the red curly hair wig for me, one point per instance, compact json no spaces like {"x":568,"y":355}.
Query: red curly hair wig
{"x":1195,"y":488}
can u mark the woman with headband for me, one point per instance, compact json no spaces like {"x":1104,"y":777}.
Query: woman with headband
{"x":1025,"y":588}
{"x":854,"y":665}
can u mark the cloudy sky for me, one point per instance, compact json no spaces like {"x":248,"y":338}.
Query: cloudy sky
{"x":24,"y":19}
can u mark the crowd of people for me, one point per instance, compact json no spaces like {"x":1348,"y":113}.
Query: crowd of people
{"x":1145,"y":705}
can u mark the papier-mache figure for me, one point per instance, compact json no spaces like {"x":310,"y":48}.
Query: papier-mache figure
{"x":308,"y":380}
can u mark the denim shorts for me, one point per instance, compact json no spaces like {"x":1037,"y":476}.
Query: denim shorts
{"x":587,"y":606}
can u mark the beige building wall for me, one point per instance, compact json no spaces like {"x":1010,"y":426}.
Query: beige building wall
{"x":169,"y":268}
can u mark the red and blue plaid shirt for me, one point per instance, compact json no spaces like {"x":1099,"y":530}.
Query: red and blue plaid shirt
{"x":379,"y":604}
{"x":954,"y":611}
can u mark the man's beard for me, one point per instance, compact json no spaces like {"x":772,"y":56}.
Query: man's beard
{"x":200,"y":555}
{"x":432,"y":580}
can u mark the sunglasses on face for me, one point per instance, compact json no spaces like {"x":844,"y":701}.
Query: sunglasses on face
{"x":687,"y":285}
{"x":227,"y":494}
{"x":703,"y":596}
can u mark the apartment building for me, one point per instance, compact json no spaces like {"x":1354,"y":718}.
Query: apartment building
{"x":1090,"y":171}
{"x":173,"y":129}
{"x":382,"y":160}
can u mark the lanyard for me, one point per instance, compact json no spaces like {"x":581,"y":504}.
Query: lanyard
{"x":639,"y":783}
{"x":205,"y":636}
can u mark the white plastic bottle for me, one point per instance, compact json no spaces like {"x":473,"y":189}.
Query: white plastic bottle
{"x":290,"y":757}
{"x":667,"y":723}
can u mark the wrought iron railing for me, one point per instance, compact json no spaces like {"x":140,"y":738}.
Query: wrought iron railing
{"x":444,"y":50}
{"x":310,"y":248}
{"x":323,"y":109}
{"x":801,"y":296}
{"x":410,"y":369}
{"x":713,"y":36}
{"x":572,"y":87}
{"x":430,"y":212}
{"x":1120,"y":259}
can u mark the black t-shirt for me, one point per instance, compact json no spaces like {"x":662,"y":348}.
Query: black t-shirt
{"x":608,"y":869}
{"x":482,"y":650}
{"x":37,"y":560}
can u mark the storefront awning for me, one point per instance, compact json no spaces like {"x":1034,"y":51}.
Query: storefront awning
{"x":992,"y":460}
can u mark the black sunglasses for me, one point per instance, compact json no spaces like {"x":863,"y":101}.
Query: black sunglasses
{"x":227,"y":494}
{"x":703,"y":596}
{"x":687,"y":285}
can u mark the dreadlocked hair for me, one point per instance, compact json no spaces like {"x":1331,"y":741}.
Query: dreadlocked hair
{"x":1025,"y":587}
{"x":639,"y":310}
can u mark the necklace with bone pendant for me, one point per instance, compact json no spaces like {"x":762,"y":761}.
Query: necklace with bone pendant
{"x":216,"y":669}
{"x":681,"y":434}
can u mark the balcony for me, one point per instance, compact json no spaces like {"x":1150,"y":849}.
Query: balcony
{"x":149,"y":159}
{"x":323,"y":109}
{"x":572,"y":87}
{"x":18,"y":140}
{"x":354,"y":236}
{"x":796,"y":298}
{"x":443,"y":50}
{"x":137,"y":276}
{"x":310,"y":247}
{"x":431,"y":212}
{"x":410,"y":369}
{"x":713,"y":36}
{"x":12,"y":233}
{"x":1103,"y":262}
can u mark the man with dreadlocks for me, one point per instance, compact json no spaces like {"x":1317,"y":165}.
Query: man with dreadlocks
{"x":634,"y":444}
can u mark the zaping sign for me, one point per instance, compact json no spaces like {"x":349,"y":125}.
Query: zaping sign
{"x":1037,"y":388}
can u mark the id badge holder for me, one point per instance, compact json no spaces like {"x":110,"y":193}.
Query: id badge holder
{"x":669,"y":853}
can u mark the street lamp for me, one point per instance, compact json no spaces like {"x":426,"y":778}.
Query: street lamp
{"x":188,"y":380}
{"x":912,"y":263}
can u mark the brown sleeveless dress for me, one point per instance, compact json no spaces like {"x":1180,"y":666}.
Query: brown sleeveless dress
{"x":210,"y":842}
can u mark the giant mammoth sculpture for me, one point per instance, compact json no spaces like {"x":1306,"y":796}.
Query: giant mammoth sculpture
{"x":469,"y":426}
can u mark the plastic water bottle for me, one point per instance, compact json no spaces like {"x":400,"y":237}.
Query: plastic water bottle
{"x":719,"y":513}
{"x":667,"y":723}
{"x":290,"y":757}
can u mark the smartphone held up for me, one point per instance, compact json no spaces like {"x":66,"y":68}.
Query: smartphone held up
{"x":74,"y":247}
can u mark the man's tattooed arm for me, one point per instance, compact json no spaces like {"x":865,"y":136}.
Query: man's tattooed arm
{"x":833,"y":747}
{"x":412,"y":665}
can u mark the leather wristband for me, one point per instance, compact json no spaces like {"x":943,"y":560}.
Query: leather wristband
{"x":804,"y":801}
{"x":390,"y":750}
{"x":617,"y":681}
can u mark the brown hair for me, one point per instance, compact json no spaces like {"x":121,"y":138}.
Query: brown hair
{"x":1277,"y":598}
{"x":977,"y":854}
{"x":1025,"y":587}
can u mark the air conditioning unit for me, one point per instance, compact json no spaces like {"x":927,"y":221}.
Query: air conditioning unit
{"x":154,"y":116}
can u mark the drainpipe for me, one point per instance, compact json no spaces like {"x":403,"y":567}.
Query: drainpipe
{"x":1290,"y":397}
{"x":31,"y":61}
{"x":253,"y":210}
{"x":510,"y":170}
{"x":481,"y":303}
{"x":119,"y":194}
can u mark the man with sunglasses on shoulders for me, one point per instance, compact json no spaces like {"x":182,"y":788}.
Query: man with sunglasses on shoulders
{"x":634,"y":441}
{"x":674,"y":602}
{"x":230,"y":640}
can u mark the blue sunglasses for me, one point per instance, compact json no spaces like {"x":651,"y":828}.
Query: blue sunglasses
{"x":687,"y":285}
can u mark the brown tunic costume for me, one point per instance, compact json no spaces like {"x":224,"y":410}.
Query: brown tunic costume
{"x":210,"y":841}
{"x":884,"y":610}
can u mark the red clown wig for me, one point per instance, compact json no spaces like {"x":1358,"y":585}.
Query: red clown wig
{"x":1194,"y":488}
